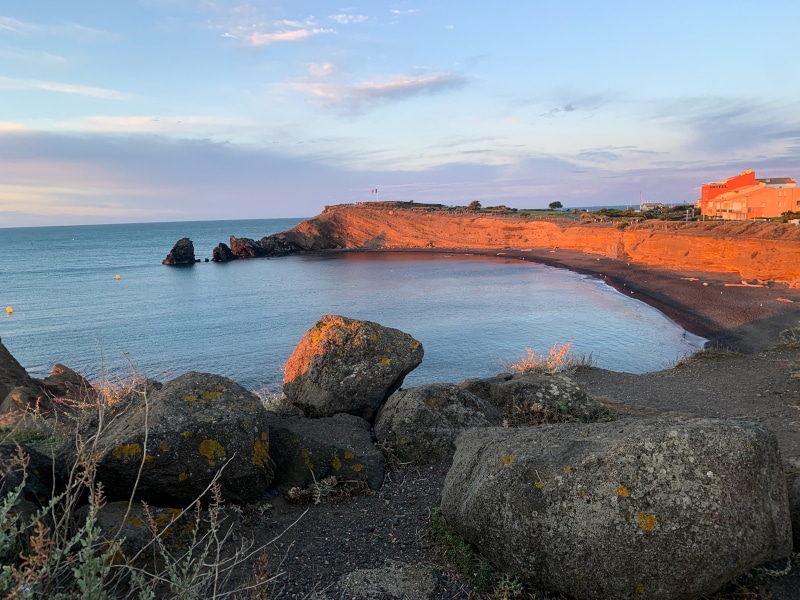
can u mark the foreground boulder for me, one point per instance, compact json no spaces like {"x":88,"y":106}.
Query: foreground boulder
{"x":12,"y":374}
{"x":663,"y":509}
{"x":182,"y":253}
{"x":344,"y":365}
{"x":308,"y":450}
{"x":193,"y":427}
{"x":533,"y":398}
{"x":421,"y":424}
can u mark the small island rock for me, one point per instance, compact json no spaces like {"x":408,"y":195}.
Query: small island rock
{"x":182,"y":253}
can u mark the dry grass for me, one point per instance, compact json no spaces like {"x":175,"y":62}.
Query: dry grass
{"x":559,"y":358}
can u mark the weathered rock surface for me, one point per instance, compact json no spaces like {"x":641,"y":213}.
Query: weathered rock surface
{"x":182,"y":253}
{"x":535,"y":397}
{"x":25,"y":401}
{"x":134,"y":526}
{"x":196,"y":425}
{"x":65,"y":383}
{"x":222,"y":254}
{"x":794,"y":506}
{"x":308,"y":450}
{"x":39,"y":484}
{"x":246,"y":248}
{"x":394,"y":580}
{"x":345,"y":365}
{"x":664,"y":508}
{"x":12,"y":374}
{"x":421,"y":424}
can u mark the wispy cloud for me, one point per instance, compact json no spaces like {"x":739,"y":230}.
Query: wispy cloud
{"x":398,"y":12}
{"x":66,"y":29}
{"x":64,"y":88}
{"x":348,"y":19}
{"x":358,"y":97}
{"x":261,"y":34}
{"x":733,"y":124}
{"x":559,"y":110}
{"x":322,"y":70}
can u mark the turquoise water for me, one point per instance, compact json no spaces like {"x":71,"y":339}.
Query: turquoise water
{"x":243,"y":319}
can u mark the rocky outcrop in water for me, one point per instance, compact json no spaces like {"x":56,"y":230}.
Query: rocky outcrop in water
{"x":661,"y":508}
{"x":182,"y":253}
{"x":222,"y":253}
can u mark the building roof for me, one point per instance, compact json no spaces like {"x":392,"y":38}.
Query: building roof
{"x":777,"y":180}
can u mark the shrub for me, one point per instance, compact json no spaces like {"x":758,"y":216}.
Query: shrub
{"x":559,"y":358}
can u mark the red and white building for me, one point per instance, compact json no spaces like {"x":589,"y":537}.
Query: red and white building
{"x":743,"y":197}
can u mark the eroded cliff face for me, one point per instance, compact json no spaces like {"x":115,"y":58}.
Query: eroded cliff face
{"x":766,"y":251}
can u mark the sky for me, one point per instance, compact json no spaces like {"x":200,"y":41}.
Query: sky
{"x":176,"y":110}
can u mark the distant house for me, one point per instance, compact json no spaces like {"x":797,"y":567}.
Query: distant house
{"x":744,"y":197}
{"x":645,"y":206}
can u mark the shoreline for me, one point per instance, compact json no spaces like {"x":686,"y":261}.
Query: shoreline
{"x":715,"y":306}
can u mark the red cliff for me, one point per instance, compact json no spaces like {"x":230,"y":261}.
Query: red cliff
{"x":766,"y":251}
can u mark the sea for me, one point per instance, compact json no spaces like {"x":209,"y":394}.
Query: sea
{"x":97,"y":299}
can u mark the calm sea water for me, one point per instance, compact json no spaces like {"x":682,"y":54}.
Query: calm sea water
{"x":243,"y":319}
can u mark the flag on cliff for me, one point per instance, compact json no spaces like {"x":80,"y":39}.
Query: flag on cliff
{"x":374,"y":191}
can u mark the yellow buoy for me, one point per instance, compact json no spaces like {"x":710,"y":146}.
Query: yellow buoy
{"x":117,"y":276}
{"x":9,"y":310}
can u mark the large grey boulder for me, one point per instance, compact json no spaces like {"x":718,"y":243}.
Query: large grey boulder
{"x":534,"y":398}
{"x":421,"y":424}
{"x":181,"y":436}
{"x":345,"y":365}
{"x":663,"y":509}
{"x":308,"y":450}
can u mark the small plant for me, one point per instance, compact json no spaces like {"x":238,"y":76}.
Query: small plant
{"x":711,"y":353}
{"x":788,"y":339}
{"x":559,"y":358}
{"x":477,"y":570}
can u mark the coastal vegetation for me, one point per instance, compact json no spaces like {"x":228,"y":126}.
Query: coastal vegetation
{"x":60,"y":547}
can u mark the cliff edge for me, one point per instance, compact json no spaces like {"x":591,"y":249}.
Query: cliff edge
{"x":754,"y":250}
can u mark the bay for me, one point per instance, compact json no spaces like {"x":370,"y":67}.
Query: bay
{"x":473,"y":314}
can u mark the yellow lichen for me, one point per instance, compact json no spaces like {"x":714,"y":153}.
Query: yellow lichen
{"x":208,"y":396}
{"x":641,"y":588}
{"x":188,"y":529}
{"x":134,"y":520}
{"x":349,"y":455}
{"x":190,"y":398}
{"x":539,"y":484}
{"x":337,"y":464}
{"x":646,"y":522}
{"x":148,"y":459}
{"x":261,"y":451}
{"x":165,"y":447}
{"x":306,"y":454}
{"x":385,"y":360}
{"x":508,"y":459}
{"x":622,"y":492}
{"x":187,"y":434}
{"x":124,"y":451}
{"x":414,"y":344}
{"x":567,"y":470}
{"x":357,"y":467}
{"x":212,"y":450}
{"x":182,"y":477}
{"x":582,"y":494}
